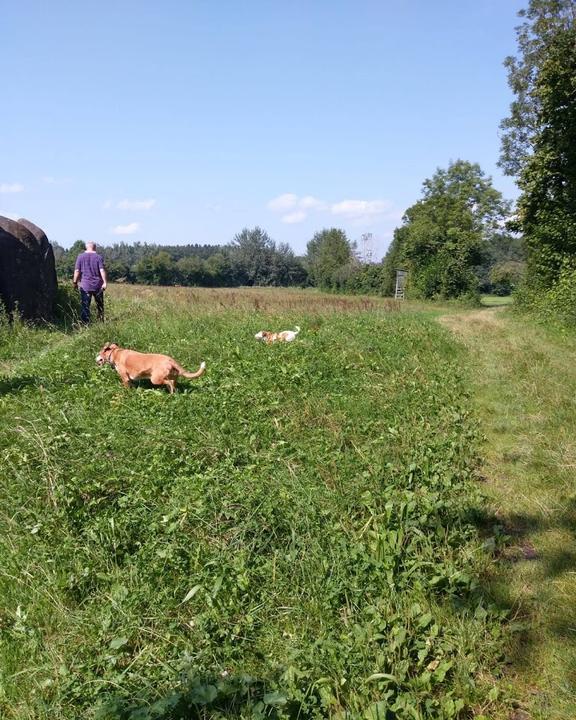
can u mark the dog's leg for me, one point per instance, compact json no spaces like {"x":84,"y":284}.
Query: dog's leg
{"x":125,"y":379}
{"x":170,"y":384}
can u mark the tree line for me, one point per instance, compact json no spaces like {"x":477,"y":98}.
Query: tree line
{"x":331,"y":263}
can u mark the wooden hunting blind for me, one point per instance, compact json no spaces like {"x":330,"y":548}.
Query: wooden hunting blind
{"x":401,"y":276}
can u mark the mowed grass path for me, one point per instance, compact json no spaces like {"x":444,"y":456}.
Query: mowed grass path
{"x":292,"y":535}
{"x":524,"y":379}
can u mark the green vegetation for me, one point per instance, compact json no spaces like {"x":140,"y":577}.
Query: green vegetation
{"x":539,"y":147}
{"x":293,"y":535}
{"x":452,"y":238}
{"x":252,"y":258}
{"x":332,"y":262}
{"x":330,"y":259}
{"x":524,"y":382}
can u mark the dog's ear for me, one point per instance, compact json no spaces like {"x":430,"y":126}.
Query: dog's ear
{"x":112,"y":346}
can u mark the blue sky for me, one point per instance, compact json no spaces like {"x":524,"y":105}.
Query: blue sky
{"x":176,"y":122}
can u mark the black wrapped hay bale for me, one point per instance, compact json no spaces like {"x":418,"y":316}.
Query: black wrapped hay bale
{"x":27,"y":270}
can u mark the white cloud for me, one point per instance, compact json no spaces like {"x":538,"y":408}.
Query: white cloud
{"x":136,"y":204}
{"x":51,"y":180}
{"x":283,"y":202}
{"x":295,"y":209}
{"x":300,"y":206}
{"x":294,"y":217}
{"x":11,"y":187}
{"x":360,"y":208}
{"x":129,"y":229}
{"x":311,"y":203}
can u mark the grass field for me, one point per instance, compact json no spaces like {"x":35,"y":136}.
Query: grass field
{"x":297,"y":534}
{"x":496,"y":300}
{"x":525,"y":385}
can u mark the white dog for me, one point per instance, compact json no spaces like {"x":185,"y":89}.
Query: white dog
{"x":284,"y":336}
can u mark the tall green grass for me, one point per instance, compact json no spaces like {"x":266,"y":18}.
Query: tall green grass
{"x":291,"y":535}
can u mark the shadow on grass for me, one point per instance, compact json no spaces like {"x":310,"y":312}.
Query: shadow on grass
{"x":181,"y":388}
{"x":200,"y":698}
{"x":10,"y":386}
{"x":513,"y":533}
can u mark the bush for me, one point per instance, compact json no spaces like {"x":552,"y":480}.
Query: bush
{"x":556,"y":304}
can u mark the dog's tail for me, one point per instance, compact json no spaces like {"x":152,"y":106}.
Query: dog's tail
{"x":296,"y":329}
{"x":201,"y":370}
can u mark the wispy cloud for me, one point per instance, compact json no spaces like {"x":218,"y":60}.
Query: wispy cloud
{"x":294,"y":217}
{"x":295,"y":209}
{"x":51,"y":180}
{"x":131,"y":205}
{"x":129,"y":229}
{"x":360,"y":208}
{"x":11,"y":187}
{"x":136,"y":204}
{"x":284,"y":202}
{"x":309,"y":202}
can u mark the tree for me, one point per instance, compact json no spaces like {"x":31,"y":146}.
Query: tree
{"x":500,"y":249}
{"x":543,"y":20}
{"x":191,"y":270}
{"x":157,"y":269}
{"x":327,"y":253}
{"x":445,"y":234}
{"x":252,"y":251}
{"x":547,"y":205}
{"x":505,"y":277}
{"x":393,"y":260}
{"x":220,"y":271}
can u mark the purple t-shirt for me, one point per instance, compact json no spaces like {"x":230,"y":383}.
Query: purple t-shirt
{"x":89,"y":264}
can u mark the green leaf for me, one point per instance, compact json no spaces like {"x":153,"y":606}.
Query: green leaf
{"x":377,"y":711}
{"x":190,"y":594}
{"x":275,"y":698}
{"x":382,"y":676}
{"x":118,"y":642}
{"x":204,"y":694}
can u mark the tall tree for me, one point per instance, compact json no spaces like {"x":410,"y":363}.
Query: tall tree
{"x":328,"y":253}
{"x":445,"y":233}
{"x":542,"y":21}
{"x":252,"y":250}
{"x":547,"y":205}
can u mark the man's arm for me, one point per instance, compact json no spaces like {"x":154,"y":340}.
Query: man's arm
{"x":76,"y":277}
{"x":104,"y":279}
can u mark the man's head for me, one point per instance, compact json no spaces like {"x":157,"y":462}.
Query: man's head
{"x":90,"y":246}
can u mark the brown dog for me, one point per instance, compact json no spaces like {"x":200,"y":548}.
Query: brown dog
{"x":132,"y":365}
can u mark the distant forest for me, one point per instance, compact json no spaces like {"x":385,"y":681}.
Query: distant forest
{"x":331,"y":263}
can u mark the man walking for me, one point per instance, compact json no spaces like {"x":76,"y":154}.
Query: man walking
{"x":89,"y":270}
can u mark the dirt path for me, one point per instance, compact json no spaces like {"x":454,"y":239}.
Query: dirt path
{"x":524,"y":385}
